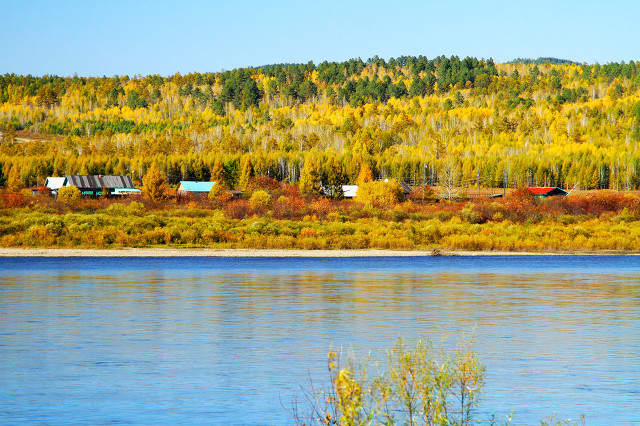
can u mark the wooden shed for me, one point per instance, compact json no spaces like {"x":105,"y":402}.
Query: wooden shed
{"x":406,"y":188}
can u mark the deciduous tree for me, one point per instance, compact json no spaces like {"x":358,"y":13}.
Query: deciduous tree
{"x":365,"y":175}
{"x":154,"y":184}
{"x":380,"y":193}
{"x":309,"y":177}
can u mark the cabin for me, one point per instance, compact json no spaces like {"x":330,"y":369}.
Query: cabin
{"x":93,"y":185}
{"x":544,"y":192}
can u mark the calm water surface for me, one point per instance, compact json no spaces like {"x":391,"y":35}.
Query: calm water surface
{"x":230,"y":341}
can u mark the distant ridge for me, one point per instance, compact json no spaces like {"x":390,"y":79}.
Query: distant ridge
{"x":540,"y":61}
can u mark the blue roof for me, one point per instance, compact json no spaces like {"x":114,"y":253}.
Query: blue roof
{"x":193,"y":186}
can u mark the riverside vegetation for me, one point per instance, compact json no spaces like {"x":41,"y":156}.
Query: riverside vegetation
{"x":277,"y":132}
{"x":281,"y":218}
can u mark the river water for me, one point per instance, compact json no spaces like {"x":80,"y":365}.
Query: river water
{"x":231,"y":340}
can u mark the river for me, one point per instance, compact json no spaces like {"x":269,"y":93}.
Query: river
{"x":230,"y":341}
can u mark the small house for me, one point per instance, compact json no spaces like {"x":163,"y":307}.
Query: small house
{"x":95,"y":184}
{"x":543,"y":192}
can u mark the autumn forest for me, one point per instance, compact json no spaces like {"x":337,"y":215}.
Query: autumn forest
{"x":445,"y":126}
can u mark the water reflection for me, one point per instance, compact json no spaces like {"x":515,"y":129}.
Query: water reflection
{"x":230,"y":343}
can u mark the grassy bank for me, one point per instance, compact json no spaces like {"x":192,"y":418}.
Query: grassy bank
{"x":589,"y":222}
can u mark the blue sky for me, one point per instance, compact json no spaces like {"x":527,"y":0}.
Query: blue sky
{"x":95,"y":38}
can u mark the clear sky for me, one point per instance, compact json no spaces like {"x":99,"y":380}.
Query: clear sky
{"x":109,"y":37}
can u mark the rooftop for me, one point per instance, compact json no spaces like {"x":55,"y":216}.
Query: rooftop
{"x":195,"y":186}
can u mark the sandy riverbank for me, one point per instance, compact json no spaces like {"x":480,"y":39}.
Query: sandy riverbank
{"x":196,"y":252}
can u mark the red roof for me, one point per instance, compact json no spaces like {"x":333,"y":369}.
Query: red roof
{"x":546,"y":191}
{"x":540,"y":190}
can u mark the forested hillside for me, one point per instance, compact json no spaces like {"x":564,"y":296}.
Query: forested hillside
{"x":463,"y":121}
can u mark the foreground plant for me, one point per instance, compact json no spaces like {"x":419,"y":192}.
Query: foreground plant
{"x":419,"y":386}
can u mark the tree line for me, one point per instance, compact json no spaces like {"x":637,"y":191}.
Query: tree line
{"x":472,"y":122}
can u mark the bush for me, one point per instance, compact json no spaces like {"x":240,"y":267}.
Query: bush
{"x":69,"y":195}
{"x":288,"y":207}
{"x":322,"y":207}
{"x":117,"y":209}
{"x":260,"y":201}
{"x":472,"y":216}
{"x":238,"y":209}
{"x":214,"y":234}
{"x":263,"y":182}
{"x":135,"y":209}
{"x":12,"y":200}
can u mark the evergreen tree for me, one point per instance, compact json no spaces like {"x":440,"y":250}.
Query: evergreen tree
{"x":250,"y":94}
{"x":333,"y":179}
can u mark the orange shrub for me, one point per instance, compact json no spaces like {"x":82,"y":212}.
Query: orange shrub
{"x":322,"y":207}
{"x":307,"y":232}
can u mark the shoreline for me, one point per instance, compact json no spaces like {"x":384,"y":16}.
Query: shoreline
{"x":204,"y":252}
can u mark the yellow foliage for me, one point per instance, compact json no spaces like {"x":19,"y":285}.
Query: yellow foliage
{"x":69,"y":195}
{"x":380,"y":193}
{"x":260,"y":200}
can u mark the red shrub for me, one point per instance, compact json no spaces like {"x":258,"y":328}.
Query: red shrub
{"x":10,"y":200}
{"x":291,"y":191}
{"x":520,"y":206}
{"x":238,"y":209}
{"x":609,"y":201}
{"x":289,"y":208}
